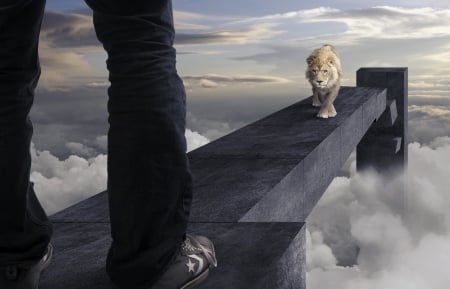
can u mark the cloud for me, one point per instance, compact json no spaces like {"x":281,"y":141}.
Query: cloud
{"x":287,"y":56}
{"x":61,"y":183}
{"x":69,"y":115}
{"x":206,"y":83}
{"x":396,"y":248}
{"x":319,"y":254}
{"x":79,"y":149}
{"x":428,"y":121}
{"x":65,"y":41}
{"x":201,"y":52}
{"x":102,"y":142}
{"x":69,"y":30}
{"x":300,"y":14}
{"x":215,"y":80}
{"x":252,"y":34}
{"x":194,"y":140}
{"x":201,"y":29}
{"x":381,"y":22}
{"x":431,"y":110}
{"x":418,"y":38}
{"x":60,"y":65}
{"x":180,"y":16}
{"x":95,"y":84}
{"x":185,"y":20}
{"x":430,"y":86}
{"x":209,"y":127}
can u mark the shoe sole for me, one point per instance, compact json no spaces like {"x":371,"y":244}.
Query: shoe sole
{"x":196,"y":281}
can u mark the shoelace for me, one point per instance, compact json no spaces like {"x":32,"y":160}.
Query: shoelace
{"x":209,"y":255}
{"x":187,"y":246}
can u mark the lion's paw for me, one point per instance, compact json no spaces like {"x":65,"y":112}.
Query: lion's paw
{"x":332,"y":113}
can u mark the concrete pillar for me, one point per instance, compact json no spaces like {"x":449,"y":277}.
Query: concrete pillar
{"x":384,"y":147}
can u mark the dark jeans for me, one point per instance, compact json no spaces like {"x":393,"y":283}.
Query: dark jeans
{"x":149,"y":181}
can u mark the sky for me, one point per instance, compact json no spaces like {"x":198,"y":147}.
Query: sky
{"x":241,"y":60}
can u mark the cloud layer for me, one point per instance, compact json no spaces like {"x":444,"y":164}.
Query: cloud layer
{"x":214,"y":80}
{"x":65,"y":41}
{"x":427,"y":121}
{"x":395,"y":248}
{"x":61,"y":183}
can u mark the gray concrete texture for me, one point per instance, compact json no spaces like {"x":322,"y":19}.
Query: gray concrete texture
{"x":250,"y":255}
{"x":384,"y":147}
{"x":278,"y":167}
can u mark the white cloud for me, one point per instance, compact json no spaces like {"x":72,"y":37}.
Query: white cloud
{"x":212,"y":126}
{"x":65,"y":40}
{"x":300,"y":14}
{"x":319,"y":254}
{"x":79,"y":149}
{"x":192,"y":21}
{"x":431,"y":110}
{"x":61,"y":183}
{"x":61,"y":29}
{"x":387,"y":22}
{"x":206,"y":83}
{"x":96,"y":84}
{"x":194,"y":140}
{"x":216,"y":80}
{"x":381,"y":22}
{"x":440,"y":141}
{"x":430,"y":86}
{"x":426,"y":122}
{"x":59,"y":65}
{"x":394,"y":251}
{"x":230,"y":36}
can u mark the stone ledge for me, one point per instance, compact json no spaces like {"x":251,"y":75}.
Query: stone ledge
{"x":275,"y":169}
{"x":250,"y":255}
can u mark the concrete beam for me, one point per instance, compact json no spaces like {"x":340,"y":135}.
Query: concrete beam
{"x":241,"y":249}
{"x":276,"y":169}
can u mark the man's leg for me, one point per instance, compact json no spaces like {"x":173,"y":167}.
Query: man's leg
{"x":149,"y":182}
{"x":24,"y":228}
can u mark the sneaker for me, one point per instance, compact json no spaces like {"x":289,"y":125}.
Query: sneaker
{"x":191,"y":266}
{"x":24,"y":276}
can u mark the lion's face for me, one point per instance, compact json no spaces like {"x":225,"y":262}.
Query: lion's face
{"x":323,"y":69}
{"x":320,"y":76}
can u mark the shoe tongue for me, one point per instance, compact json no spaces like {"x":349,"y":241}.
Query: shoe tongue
{"x":188,"y":248}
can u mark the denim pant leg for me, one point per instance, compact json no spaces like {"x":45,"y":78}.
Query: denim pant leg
{"x":149,"y":182}
{"x":24,"y":228}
